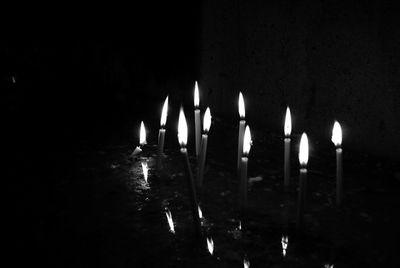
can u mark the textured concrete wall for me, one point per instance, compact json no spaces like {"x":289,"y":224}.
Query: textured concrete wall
{"x":326,"y":59}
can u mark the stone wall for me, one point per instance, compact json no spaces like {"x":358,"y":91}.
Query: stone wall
{"x":326,"y":60}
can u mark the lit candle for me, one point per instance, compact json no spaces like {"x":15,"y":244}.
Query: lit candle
{"x":161,"y":133}
{"x":182,"y":138}
{"x":203,"y":150}
{"x":243,"y":169}
{"x":303,"y":159}
{"x":242,"y":124}
{"x":288,"y":131}
{"x":142,"y":140}
{"x":197,"y":118}
{"x":337,"y":140}
{"x":210,"y":245}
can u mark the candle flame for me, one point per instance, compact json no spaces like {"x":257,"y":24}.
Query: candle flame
{"x":200,"y":212}
{"x":337,"y":134}
{"x":142,"y":139}
{"x":182,"y":129}
{"x":207,"y":120}
{"x":246,"y":263}
{"x":210,"y":245}
{"x":247,"y":142}
{"x":196,"y":95}
{"x":170,"y":221}
{"x":242,"y":112}
{"x":164,"y":113}
{"x":240,"y":225}
{"x":284,"y":242}
{"x":288,"y":123}
{"x":145,"y":170}
{"x":303,"y":154}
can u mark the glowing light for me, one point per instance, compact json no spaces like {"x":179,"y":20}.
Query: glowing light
{"x":164,"y":113}
{"x":284,"y":242}
{"x":142,"y":139}
{"x":337,"y":134}
{"x":242,"y":112}
{"x":145,"y":170}
{"x":246,"y":263}
{"x":170,"y":221}
{"x":196,"y":95}
{"x":182,"y":129}
{"x":210,"y":245}
{"x":200,"y":212}
{"x":303,"y":154}
{"x":288,"y":123}
{"x":207,"y":120}
{"x":328,"y":265}
{"x":247,"y":142}
{"x":240,"y":225}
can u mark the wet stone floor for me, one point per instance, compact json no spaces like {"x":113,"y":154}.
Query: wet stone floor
{"x":103,"y":213}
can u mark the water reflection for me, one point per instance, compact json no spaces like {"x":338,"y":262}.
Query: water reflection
{"x":328,"y":265}
{"x":170,"y":221}
{"x":145,"y":170}
{"x":246,"y":262}
{"x":210,"y":245}
{"x":284,"y":242}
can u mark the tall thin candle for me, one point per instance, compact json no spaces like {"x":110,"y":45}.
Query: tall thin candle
{"x":337,"y":140}
{"x":243,"y":169}
{"x":197,"y":118}
{"x":242,"y":124}
{"x":203,"y":151}
{"x":288,"y":131}
{"x":161,"y":133}
{"x":303,"y":159}
{"x":182,"y":138}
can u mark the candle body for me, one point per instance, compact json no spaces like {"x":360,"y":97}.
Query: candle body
{"x":202,"y":160}
{"x":286,"y":171}
{"x":242,"y":125}
{"x":339,"y":176}
{"x":243,"y":184}
{"x":197,"y":130}
{"x":161,"y":138}
{"x":192,"y":190}
{"x":301,"y":203}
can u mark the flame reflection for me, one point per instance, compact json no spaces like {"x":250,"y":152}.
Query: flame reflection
{"x":170,"y":221}
{"x":284,"y":242}
{"x":210,"y":245}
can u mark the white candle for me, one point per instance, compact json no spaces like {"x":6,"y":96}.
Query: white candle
{"x":243,"y":169}
{"x":288,"y":131}
{"x":242,"y":124}
{"x":203,"y":151}
{"x":303,"y":159}
{"x":161,"y":133}
{"x":337,"y":140}
{"x":197,"y":118}
{"x":182,"y":138}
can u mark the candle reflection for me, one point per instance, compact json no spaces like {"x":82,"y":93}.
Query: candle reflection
{"x":170,"y":221}
{"x":328,"y":265}
{"x":284,"y":242}
{"x":200,"y":212}
{"x":246,"y":263}
{"x":210,"y":245}
{"x":145,"y":170}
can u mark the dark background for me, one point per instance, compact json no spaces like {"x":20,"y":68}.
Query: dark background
{"x":77,"y":87}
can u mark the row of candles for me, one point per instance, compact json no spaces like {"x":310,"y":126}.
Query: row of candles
{"x":244,"y":145}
